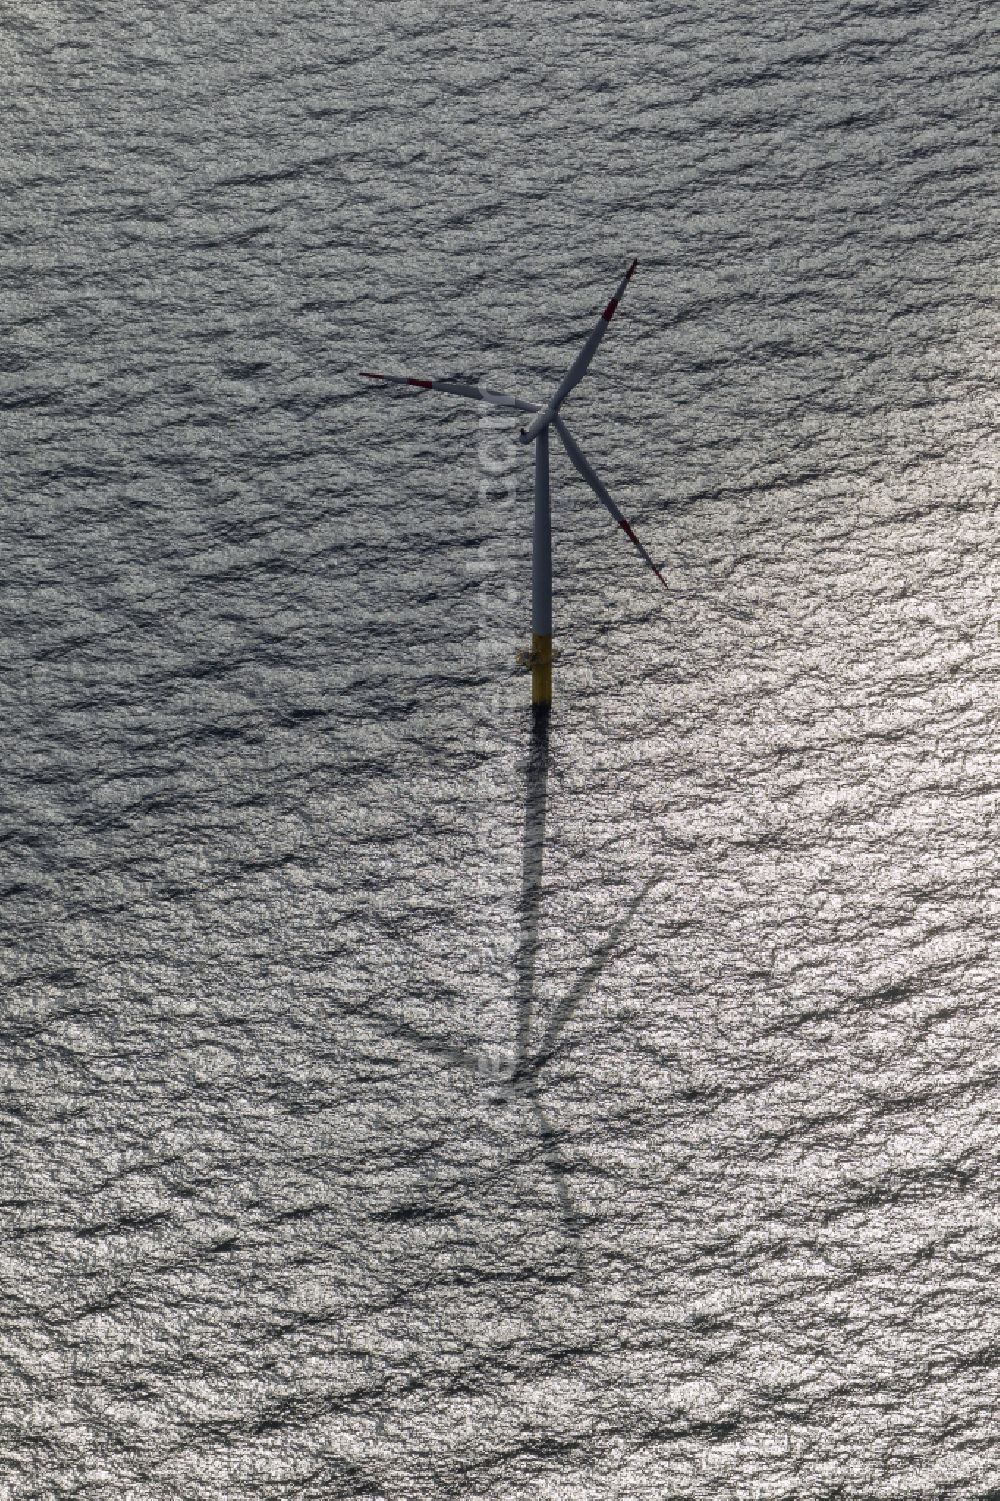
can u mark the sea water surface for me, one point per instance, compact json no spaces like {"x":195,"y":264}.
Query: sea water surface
{"x":399,"y":1101}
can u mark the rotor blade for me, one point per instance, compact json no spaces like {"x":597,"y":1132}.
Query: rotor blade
{"x":583,"y":467}
{"x":455,"y":388}
{"x":579,"y":366}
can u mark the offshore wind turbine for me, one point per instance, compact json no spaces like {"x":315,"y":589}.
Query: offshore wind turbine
{"x":537,"y":432}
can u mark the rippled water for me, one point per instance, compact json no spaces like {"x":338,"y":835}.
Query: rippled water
{"x":399,"y":1101}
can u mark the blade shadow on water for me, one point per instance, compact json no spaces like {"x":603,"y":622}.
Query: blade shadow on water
{"x":425,"y":1041}
{"x":588,"y":978}
{"x":549,"y":1141}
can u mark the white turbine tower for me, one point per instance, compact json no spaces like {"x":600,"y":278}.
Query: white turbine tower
{"x":537,"y":432}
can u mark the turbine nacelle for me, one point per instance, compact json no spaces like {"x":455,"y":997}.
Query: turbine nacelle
{"x":537,"y":424}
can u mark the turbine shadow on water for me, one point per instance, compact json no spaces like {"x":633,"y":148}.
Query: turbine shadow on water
{"x":524,"y":1082}
{"x":521,"y":1082}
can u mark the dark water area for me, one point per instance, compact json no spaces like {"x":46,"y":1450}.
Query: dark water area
{"x":399,"y":1101}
